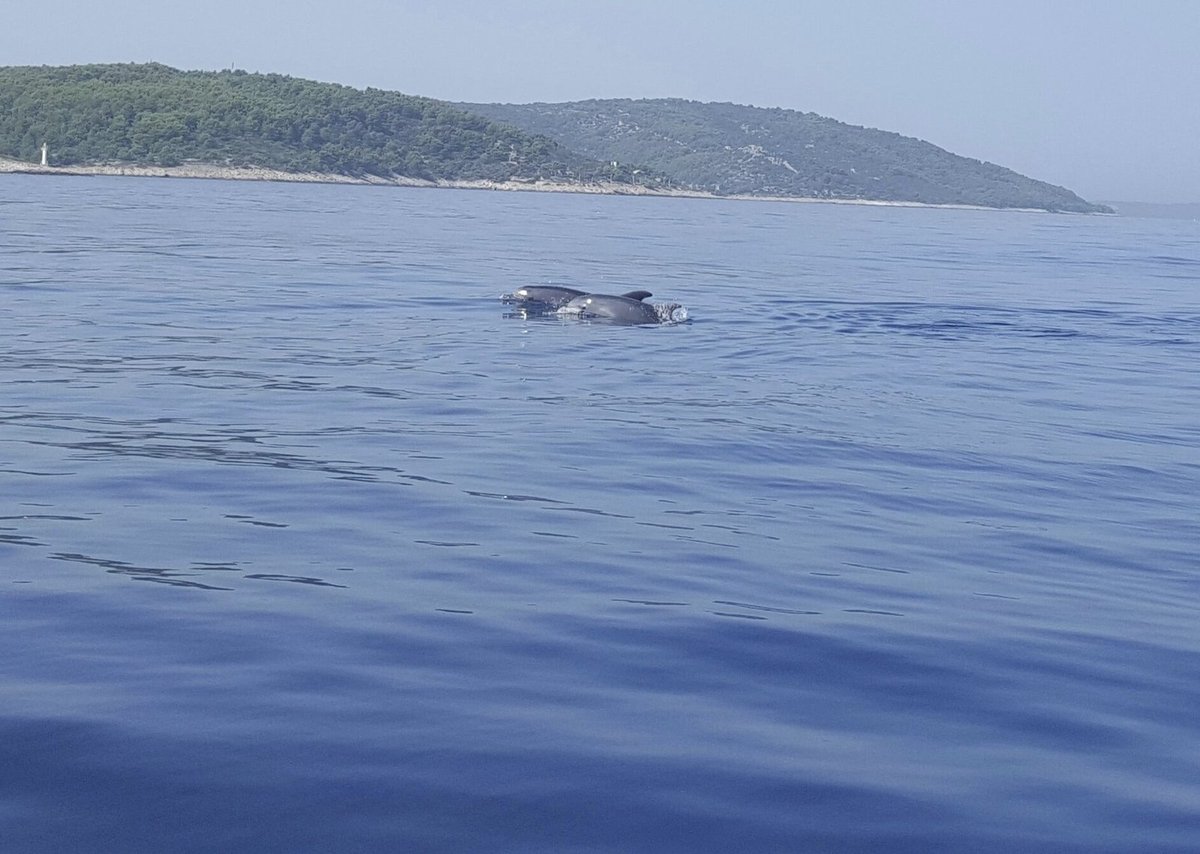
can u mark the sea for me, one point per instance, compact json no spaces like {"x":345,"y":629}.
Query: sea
{"x":309,"y":543}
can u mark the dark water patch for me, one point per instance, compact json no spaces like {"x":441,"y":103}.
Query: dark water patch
{"x":703,"y":542}
{"x":506,"y":497}
{"x":591,"y":511}
{"x":951,"y":322}
{"x":872,"y":611}
{"x":260,"y":523}
{"x":293,"y":579}
{"x":163,"y":575}
{"x":768,"y":608}
{"x":172,"y":581}
{"x":46,"y":516}
{"x":13,"y":539}
{"x":877,"y":568}
{"x":652,"y":603}
{"x":736,"y":615}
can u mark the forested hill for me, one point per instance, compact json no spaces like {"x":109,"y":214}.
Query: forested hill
{"x":726,"y":148}
{"x":155,"y":115}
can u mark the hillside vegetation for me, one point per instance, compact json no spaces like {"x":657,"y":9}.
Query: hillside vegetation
{"x":726,"y":148}
{"x":156,"y":115}
{"x":153,"y":115}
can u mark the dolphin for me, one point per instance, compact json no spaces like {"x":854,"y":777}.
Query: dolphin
{"x":545,"y":297}
{"x":625,"y":310}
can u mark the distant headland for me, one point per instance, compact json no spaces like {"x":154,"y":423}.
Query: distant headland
{"x":152,"y":120}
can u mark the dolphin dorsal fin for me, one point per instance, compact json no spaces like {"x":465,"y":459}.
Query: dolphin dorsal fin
{"x":638,"y":295}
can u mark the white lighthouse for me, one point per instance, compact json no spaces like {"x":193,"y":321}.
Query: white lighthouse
{"x":44,"y":148}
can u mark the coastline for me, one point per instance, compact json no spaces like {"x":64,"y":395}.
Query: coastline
{"x":212,"y":171}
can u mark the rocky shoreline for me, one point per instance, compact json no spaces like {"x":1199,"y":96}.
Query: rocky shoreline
{"x":255,"y":173}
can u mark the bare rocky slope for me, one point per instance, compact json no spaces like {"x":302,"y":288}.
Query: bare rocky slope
{"x":732,"y":149}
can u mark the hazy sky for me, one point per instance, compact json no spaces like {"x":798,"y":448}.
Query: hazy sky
{"x":1101,"y":97}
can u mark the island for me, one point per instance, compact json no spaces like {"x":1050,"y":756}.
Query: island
{"x":150,"y":119}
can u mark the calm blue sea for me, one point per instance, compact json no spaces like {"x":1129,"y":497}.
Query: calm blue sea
{"x":307,"y":546}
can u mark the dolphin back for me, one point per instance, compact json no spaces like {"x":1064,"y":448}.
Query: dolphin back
{"x":621,"y":310}
{"x":541,"y":296}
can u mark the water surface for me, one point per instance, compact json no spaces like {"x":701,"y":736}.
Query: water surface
{"x":306,"y":546}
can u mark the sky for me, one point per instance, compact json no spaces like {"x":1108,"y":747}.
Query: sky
{"x":1101,"y":97}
